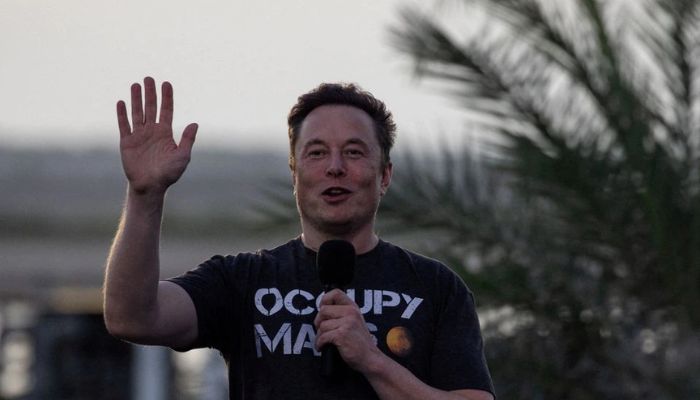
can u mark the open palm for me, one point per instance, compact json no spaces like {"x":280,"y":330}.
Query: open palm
{"x":151,"y":158}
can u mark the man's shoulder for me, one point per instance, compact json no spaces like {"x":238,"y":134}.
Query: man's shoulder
{"x":284,"y":250}
{"x":280,"y":250}
{"x":413,"y":257}
{"x":425,"y":267}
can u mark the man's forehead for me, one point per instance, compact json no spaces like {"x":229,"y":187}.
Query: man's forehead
{"x":322,"y":141}
{"x":337,"y":122}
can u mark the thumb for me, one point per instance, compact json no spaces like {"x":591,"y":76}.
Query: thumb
{"x":187,"y":140}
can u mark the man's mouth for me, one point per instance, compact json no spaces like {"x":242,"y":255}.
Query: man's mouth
{"x":334,"y":192}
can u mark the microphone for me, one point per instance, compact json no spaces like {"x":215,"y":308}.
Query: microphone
{"x":336,"y":266}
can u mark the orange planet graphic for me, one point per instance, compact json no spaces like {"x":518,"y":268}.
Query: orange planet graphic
{"x":399,"y":341}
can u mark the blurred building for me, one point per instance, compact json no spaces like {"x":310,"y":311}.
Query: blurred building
{"x":58,"y":213}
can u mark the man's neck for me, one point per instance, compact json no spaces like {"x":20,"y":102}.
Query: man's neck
{"x":363,"y":242}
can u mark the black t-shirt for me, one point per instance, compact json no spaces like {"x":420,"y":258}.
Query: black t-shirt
{"x":258,"y":309}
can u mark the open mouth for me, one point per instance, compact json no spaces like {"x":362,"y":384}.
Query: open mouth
{"x":334,"y":192}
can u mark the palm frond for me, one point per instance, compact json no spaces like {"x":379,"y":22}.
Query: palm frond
{"x":590,"y":110}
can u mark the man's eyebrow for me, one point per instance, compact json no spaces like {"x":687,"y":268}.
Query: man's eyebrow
{"x":313,"y":142}
{"x":357,"y":141}
{"x":321,"y":142}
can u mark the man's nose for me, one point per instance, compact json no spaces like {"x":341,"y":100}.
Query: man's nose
{"x":336,"y":165}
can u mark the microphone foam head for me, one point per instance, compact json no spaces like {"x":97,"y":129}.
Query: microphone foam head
{"x":336,"y":262}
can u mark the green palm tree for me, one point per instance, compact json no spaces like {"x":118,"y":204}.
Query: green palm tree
{"x":579,"y":227}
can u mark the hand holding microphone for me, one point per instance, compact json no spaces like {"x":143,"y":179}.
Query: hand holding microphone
{"x":336,"y":267}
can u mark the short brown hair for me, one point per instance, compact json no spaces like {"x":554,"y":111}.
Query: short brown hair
{"x":348,"y":94}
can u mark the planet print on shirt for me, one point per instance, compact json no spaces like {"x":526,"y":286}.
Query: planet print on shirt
{"x":400,"y":341}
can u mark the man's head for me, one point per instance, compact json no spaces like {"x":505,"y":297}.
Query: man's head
{"x":342,"y":94}
{"x":340,"y":139}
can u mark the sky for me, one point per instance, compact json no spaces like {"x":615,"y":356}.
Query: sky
{"x":236,"y":66}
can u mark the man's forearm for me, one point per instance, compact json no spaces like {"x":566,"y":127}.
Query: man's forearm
{"x":132,"y":272}
{"x":392,"y":381}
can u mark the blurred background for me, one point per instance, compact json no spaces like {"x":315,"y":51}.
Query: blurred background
{"x":548,"y":151}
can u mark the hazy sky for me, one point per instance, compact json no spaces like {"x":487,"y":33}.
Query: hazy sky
{"x":237,"y":66}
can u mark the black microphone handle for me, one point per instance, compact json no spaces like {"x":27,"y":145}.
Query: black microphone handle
{"x":332,"y":364}
{"x":330,"y":361}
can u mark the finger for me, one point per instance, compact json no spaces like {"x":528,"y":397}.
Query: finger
{"x":136,"y":105}
{"x":321,"y":341}
{"x":122,"y":119}
{"x":336,"y":313}
{"x":332,"y":332}
{"x":187,"y":139}
{"x":328,"y":298}
{"x":327,"y":337}
{"x":166,"y":104}
{"x":151,"y":100}
{"x":336,"y":296}
{"x":328,"y":325}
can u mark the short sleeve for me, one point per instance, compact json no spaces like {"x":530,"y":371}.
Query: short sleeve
{"x":209,"y":286}
{"x":458,"y":360}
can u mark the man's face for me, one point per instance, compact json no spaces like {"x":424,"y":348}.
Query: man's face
{"x":338,"y":178}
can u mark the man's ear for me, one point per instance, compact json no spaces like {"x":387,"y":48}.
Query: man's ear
{"x":291,"y":162}
{"x":386,"y":177}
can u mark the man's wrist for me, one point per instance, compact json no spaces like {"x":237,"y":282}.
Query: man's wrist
{"x":376,"y":365}
{"x":147,"y":205}
{"x":154,"y":195}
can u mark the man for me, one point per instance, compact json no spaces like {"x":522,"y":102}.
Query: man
{"x":415,"y":335}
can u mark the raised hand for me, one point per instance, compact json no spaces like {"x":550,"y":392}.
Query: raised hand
{"x":151,"y":158}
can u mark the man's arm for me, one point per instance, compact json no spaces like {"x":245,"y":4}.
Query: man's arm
{"x":392,"y":381}
{"x":137,"y":307}
{"x":340,"y":322}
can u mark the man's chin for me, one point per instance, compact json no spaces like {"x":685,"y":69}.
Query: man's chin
{"x":338,"y":225}
{"x":337,"y":228}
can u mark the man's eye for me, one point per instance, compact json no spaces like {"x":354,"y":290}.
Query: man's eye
{"x":316,"y":153}
{"x":354,"y":152}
